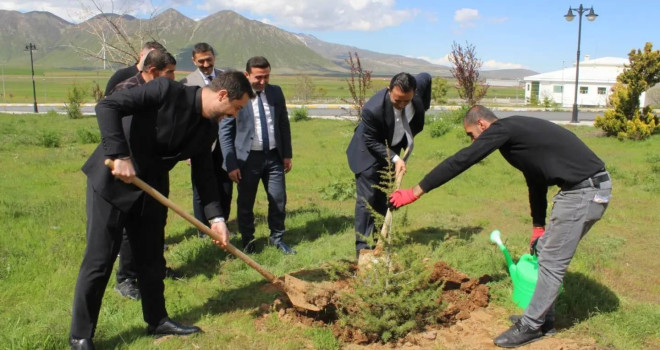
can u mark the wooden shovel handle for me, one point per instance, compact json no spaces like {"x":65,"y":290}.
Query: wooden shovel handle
{"x":184,"y":214}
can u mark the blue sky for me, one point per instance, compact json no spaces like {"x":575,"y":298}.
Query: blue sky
{"x":506,"y":34}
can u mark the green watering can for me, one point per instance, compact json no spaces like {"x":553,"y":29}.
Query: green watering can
{"x":523,"y":274}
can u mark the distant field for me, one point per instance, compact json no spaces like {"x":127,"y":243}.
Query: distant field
{"x":52,"y":86}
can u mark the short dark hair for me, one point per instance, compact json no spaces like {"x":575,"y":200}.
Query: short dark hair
{"x":158,"y":59}
{"x":258,"y":62}
{"x":202,"y":47}
{"x":153,"y":45}
{"x":234,"y":82}
{"x":405,"y":81}
{"x":477,"y":112}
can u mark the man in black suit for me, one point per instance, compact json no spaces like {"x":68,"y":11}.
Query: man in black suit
{"x":389,"y":122}
{"x":203,"y":56}
{"x":170,"y":122}
{"x":157,"y":63}
{"x":257,"y":147}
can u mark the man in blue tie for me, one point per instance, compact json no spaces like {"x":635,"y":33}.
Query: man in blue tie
{"x":256,"y":147}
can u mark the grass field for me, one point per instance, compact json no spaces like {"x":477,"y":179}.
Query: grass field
{"x":612,"y":291}
{"x":52,"y":86}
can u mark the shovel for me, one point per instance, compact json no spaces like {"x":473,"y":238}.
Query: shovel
{"x":295,"y":289}
{"x":367,"y":256}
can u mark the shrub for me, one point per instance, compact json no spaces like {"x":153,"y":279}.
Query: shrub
{"x":440,"y":127}
{"x":86,"y":136}
{"x":96,"y":91}
{"x":624,"y":122}
{"x":338,"y":190}
{"x":50,"y":139}
{"x":51,"y":113}
{"x":75,"y":98}
{"x":300,"y":114}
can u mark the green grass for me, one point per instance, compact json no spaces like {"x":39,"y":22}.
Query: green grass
{"x":611,"y":291}
{"x":52,"y":86}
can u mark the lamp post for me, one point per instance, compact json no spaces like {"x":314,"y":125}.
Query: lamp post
{"x":591,"y":16}
{"x":31,"y":47}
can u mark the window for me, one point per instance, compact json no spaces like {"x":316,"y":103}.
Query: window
{"x":557,"y":89}
{"x":584,"y":90}
{"x":602,"y":91}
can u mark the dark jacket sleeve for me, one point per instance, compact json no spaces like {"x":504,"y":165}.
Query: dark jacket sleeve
{"x":538,"y":201}
{"x":283,"y":123}
{"x":227,"y":136}
{"x":424,"y":89}
{"x":374,"y":134}
{"x":490,"y":140}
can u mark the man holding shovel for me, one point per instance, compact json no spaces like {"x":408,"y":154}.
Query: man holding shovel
{"x":389,"y":122}
{"x":171,"y":122}
{"x":547,"y":155}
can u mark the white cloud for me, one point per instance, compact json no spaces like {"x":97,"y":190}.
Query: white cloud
{"x":322,"y":15}
{"x":466,"y":17}
{"x":492,"y":64}
{"x":80,"y":10}
{"x":487,"y":65}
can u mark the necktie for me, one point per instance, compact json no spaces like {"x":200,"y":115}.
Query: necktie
{"x":209,"y":79}
{"x":409,"y":135}
{"x":264,"y":124}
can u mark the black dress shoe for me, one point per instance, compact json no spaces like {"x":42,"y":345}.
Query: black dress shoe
{"x":548,"y":328}
{"x":283,"y":247}
{"x":169,"y":327}
{"x":81,"y":344}
{"x":518,"y":335}
{"x":249,"y":248}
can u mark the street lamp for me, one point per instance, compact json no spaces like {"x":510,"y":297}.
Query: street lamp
{"x":591,"y":16}
{"x":31,"y":47}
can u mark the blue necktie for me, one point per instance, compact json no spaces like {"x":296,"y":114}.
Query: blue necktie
{"x":264,"y":124}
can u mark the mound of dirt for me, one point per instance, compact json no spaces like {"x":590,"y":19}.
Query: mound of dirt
{"x":461,"y":295}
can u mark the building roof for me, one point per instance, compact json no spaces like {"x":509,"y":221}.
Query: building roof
{"x":599,"y":70}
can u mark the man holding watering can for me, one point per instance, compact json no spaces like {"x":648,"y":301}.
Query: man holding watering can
{"x":547,"y":155}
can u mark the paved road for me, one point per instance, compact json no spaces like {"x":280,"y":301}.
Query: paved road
{"x":333,"y":111}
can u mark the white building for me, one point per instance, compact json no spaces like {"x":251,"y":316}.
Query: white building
{"x":596,"y":79}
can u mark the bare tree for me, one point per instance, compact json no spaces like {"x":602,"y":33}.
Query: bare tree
{"x":359,"y":83}
{"x":120,"y":38}
{"x":466,"y":71}
{"x":305,"y":88}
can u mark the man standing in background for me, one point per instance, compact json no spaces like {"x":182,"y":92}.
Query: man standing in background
{"x":125,"y":73}
{"x":257,"y":148}
{"x":203,"y":56}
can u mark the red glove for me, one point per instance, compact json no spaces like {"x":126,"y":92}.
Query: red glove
{"x":402,"y":197}
{"x":537,"y":232}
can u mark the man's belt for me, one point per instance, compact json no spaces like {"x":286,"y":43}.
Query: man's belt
{"x":594,"y":181}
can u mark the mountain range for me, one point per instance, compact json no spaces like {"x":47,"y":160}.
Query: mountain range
{"x":235,"y":38}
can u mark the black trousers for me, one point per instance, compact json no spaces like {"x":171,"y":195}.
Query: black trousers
{"x":145,"y":227}
{"x":367,"y":194}
{"x":267,"y":168}
{"x":226,"y":188}
{"x":127,"y":268}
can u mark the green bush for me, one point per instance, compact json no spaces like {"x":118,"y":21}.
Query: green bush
{"x":624,"y":121}
{"x":50,"y":139}
{"x":300,"y":114}
{"x":390,"y":300}
{"x":75,"y":98}
{"x":51,"y":113}
{"x":440,"y":127}
{"x":86,"y":136}
{"x":339,"y":190}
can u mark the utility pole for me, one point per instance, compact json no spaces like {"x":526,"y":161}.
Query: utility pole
{"x":31,"y":47}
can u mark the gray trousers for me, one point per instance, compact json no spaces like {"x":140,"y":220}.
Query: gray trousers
{"x":574,"y":212}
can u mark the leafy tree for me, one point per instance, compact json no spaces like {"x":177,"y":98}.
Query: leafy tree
{"x":75,"y":98}
{"x":625,"y":119}
{"x":466,"y":71}
{"x":439,"y":90}
{"x":305,"y":88}
{"x":359,"y":83}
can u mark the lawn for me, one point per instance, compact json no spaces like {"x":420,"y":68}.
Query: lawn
{"x":612,"y":291}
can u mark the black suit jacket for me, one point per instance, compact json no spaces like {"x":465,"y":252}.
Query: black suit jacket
{"x":167,"y":127}
{"x":236,"y":135}
{"x":373,"y":135}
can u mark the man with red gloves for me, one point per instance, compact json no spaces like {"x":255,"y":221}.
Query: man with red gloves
{"x":547,"y":155}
